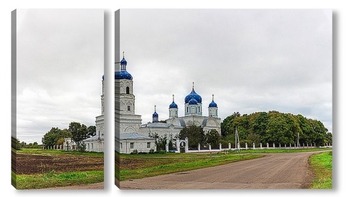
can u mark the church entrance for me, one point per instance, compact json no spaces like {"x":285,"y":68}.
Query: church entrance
{"x":182,"y":145}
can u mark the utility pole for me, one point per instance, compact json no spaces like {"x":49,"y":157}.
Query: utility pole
{"x":298,"y":140}
{"x":236,"y":139}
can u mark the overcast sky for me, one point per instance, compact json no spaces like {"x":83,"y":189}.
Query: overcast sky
{"x":252,"y":60}
{"x":59,"y":69}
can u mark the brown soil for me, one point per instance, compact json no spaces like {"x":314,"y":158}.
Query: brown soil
{"x":32,"y":164}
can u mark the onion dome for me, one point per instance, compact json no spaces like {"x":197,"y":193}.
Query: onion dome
{"x":122,"y":74}
{"x":123,"y":62}
{"x":213,"y":104}
{"x":155,"y":115}
{"x":173,"y":104}
{"x":193,"y":95}
{"x":192,"y":101}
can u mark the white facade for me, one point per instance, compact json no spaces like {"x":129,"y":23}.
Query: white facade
{"x":134,"y":142}
{"x":132,"y":136}
{"x":193,"y":116}
{"x":127,"y":123}
{"x":69,"y":144}
{"x":96,"y":143}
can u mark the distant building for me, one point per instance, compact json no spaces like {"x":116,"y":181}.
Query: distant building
{"x":96,"y":143}
{"x":69,"y":144}
{"x":132,"y":135}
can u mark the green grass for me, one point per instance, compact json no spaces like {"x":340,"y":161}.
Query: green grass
{"x":61,"y":177}
{"x":52,"y":179}
{"x":56,"y":152}
{"x":158,"y":164}
{"x":321,"y":165}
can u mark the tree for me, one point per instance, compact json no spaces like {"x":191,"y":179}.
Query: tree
{"x":194,"y":134}
{"x":50,"y":137}
{"x":212,"y":138}
{"x":79,"y":133}
{"x":91,"y":131}
{"x":55,"y":137}
{"x":15,"y":144}
{"x":227,"y":126}
{"x":275,"y":127}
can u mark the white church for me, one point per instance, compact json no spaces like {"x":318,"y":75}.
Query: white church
{"x":131,"y":135}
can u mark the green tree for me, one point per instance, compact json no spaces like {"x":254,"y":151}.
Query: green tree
{"x":227,"y":126}
{"x":274,"y":127}
{"x":15,"y":144}
{"x":213,"y":138}
{"x":194,"y":134}
{"x":91,"y":131}
{"x":55,"y":137}
{"x":79,"y":133}
{"x":50,"y":137}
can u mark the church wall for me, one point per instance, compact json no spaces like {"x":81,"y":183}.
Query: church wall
{"x":124,"y":146}
{"x":160,"y":131}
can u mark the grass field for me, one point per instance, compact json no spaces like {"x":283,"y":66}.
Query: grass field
{"x":37,"y":168}
{"x":140,"y":166}
{"x":321,"y":165}
{"x":53,"y":179}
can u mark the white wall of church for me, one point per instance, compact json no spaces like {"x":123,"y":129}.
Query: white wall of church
{"x":141,"y":145}
{"x":94,"y":146}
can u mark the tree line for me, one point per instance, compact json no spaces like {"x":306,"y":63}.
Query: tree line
{"x":274,"y":127}
{"x":75,"y":130}
{"x":17,"y":145}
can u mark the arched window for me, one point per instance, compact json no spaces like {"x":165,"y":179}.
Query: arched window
{"x":128,"y":108}
{"x":127,"y":90}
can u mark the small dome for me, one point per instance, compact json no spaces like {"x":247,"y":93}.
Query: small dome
{"x":193,"y":102}
{"x":123,"y":61}
{"x":213,"y":104}
{"x":155,"y":114}
{"x":123,"y":74}
{"x":173,"y":105}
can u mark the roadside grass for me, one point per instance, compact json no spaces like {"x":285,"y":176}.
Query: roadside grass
{"x":52,"y":179}
{"x":321,"y":165}
{"x":157,"y":164}
{"x":47,"y":152}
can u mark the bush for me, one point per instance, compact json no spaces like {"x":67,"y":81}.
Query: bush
{"x":134,"y":152}
{"x":162,"y":152}
{"x":151,"y":151}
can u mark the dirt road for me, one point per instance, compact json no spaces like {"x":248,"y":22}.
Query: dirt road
{"x":274,"y":171}
{"x":79,"y":187}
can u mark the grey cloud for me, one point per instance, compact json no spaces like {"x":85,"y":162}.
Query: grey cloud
{"x":252,"y":60}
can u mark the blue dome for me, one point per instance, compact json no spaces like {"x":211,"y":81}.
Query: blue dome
{"x":123,"y":74}
{"x":123,"y":61}
{"x":193,"y":101}
{"x":155,"y":114}
{"x":193,"y":95}
{"x":173,"y":105}
{"x":213,"y":104}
